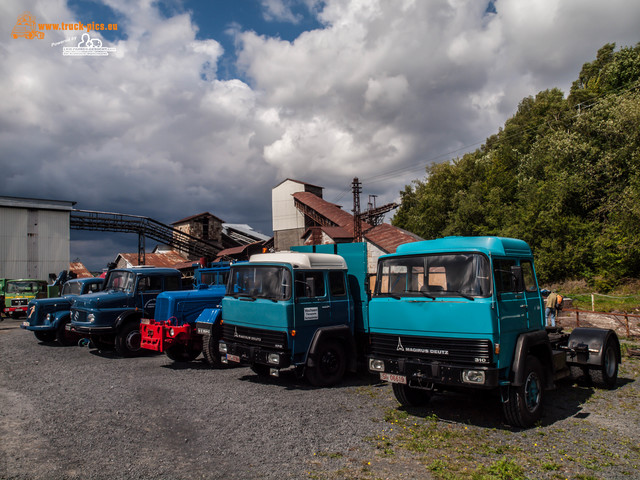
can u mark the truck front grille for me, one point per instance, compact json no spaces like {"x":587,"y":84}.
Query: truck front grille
{"x":254,"y":336}
{"x":450,"y":350}
{"x":78,"y":316}
{"x":19,"y":302}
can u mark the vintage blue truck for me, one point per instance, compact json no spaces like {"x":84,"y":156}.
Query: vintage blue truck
{"x":173,"y":330}
{"x":111,"y":318}
{"x":47,"y":317}
{"x":305,"y":309}
{"x":466,"y":313}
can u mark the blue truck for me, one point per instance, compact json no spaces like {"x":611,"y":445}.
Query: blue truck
{"x":466,"y":313}
{"x":111,"y":318}
{"x":47,"y":318}
{"x":173,"y":330}
{"x":305,"y":309}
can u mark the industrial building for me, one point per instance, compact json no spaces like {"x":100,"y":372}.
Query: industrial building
{"x":34,"y":237}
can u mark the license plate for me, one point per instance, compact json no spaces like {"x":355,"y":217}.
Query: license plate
{"x":203,"y":331}
{"x":25,"y":324}
{"x":233,"y":358}
{"x":390,"y":377}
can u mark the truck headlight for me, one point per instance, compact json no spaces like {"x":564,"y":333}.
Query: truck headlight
{"x":171,"y":332}
{"x":376,"y":365}
{"x":91,"y":318}
{"x":48,"y":317}
{"x":273,"y":358}
{"x":222,"y":347}
{"x":473,"y":376}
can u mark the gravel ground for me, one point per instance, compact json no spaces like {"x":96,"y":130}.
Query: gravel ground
{"x":75,"y":413}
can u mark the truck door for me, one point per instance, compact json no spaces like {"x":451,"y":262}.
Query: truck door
{"x":148,"y":289}
{"x":312,"y":305}
{"x":512,"y":304}
{"x":532,"y":295}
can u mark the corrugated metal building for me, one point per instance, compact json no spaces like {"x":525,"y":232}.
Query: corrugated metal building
{"x":34,"y":237}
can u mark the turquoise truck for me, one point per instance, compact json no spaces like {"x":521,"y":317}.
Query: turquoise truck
{"x":305,"y":309}
{"x":466,"y":313}
{"x":173,"y":330}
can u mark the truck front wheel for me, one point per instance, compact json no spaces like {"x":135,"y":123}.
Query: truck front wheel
{"x":128,"y":340}
{"x":330,"y":365}
{"x":606,"y":374}
{"x":524,"y":405}
{"x":410,"y":397}
{"x":45,"y":335}
{"x":210,"y":348}
{"x":183,"y":353}
{"x":64,"y":336}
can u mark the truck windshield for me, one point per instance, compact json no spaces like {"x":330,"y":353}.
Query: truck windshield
{"x":213,"y":278}
{"x":259,"y":281}
{"x":23,"y":287}
{"x":71,"y":288}
{"x":121,"y":281}
{"x":458,"y":274}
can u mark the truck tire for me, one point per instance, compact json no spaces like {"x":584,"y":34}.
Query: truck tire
{"x":45,"y":336}
{"x":210,"y":348}
{"x":64,"y":336}
{"x":606,"y":375}
{"x":410,"y":397}
{"x":183,"y":353}
{"x":524,"y":406}
{"x":330,"y":364}
{"x":128,"y":340}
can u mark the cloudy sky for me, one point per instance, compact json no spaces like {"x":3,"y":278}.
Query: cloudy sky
{"x":206,"y":105}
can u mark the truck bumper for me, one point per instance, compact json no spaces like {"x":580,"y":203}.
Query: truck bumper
{"x":421,"y":374}
{"x":160,"y":336}
{"x":250,"y":354}
{"x":90,"y":331}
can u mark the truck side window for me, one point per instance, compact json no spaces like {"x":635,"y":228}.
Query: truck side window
{"x":171,"y":283}
{"x":336,"y":284}
{"x":150,"y":284}
{"x":309,"y":284}
{"x":502,"y":273}
{"x":528,"y":276}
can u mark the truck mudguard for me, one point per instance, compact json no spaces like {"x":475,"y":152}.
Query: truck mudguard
{"x":207,"y":319}
{"x":125,"y":317}
{"x":536,"y":344}
{"x":340,"y":332}
{"x":595,"y":340}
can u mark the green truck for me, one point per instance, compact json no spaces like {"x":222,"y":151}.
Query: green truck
{"x":18,"y":293}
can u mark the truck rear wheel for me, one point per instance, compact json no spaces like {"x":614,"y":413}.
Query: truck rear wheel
{"x":210,"y":348}
{"x":183,"y":353}
{"x":524,"y":406}
{"x":606,"y":374}
{"x":330,"y":365}
{"x":45,"y":335}
{"x":410,"y":397}
{"x":128,"y":340}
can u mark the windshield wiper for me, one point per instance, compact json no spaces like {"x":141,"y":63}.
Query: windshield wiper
{"x":465,"y":295}
{"x":428,"y":295}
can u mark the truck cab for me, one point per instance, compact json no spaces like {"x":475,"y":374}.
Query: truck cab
{"x":18,"y":294}
{"x":111,"y":317}
{"x":304,"y":309}
{"x":173,"y":330}
{"x":47,"y":318}
{"x":466,"y":313}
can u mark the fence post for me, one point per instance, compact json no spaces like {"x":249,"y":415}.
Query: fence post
{"x":593,"y":303}
{"x":577,"y":318}
{"x":626,"y":321}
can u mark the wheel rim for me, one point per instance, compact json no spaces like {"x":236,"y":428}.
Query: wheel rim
{"x":609,"y":362}
{"x":532,"y":392}
{"x":329,"y":362}
{"x":132,"y":341}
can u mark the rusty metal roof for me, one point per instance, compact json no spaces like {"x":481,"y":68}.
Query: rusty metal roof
{"x":193,"y":217}
{"x":167,"y":259}
{"x":388,"y":238}
{"x":79,"y":269}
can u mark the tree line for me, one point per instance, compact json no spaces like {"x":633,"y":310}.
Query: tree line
{"x":562,"y":174}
